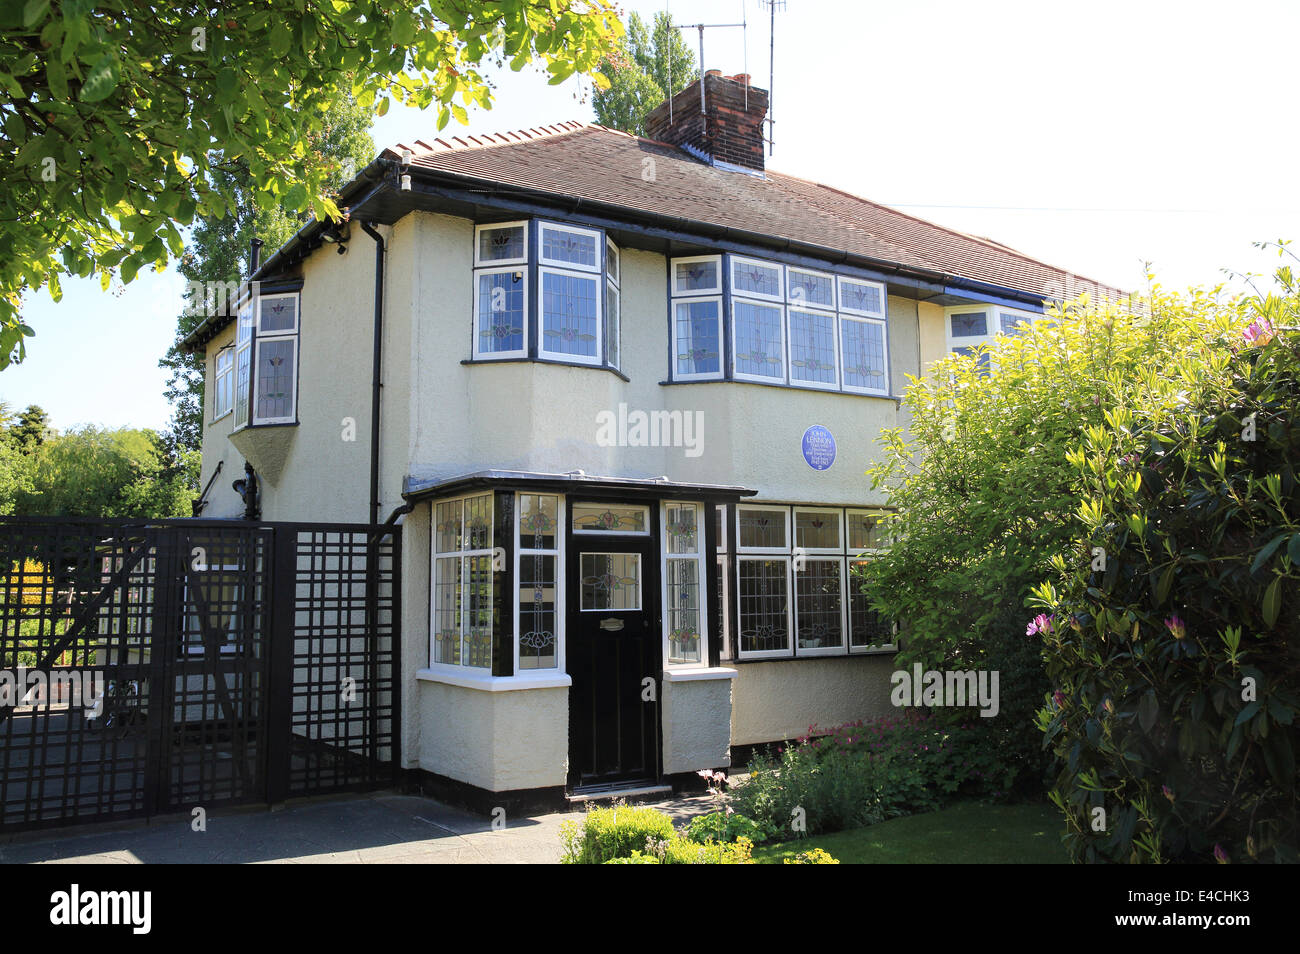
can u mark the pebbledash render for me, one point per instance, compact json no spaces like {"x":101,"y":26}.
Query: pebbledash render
{"x":625,"y":392}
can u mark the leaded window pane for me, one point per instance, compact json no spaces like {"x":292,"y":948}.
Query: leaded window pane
{"x":478,"y":522}
{"x":681,"y":522}
{"x":699,"y":340}
{"x":501,"y":318}
{"x":610,"y":581}
{"x":696,"y":276}
{"x":504,"y":244}
{"x":810,"y":288}
{"x":563,"y":246}
{"x":862,"y":297}
{"x":610,"y":518}
{"x":447,"y":611}
{"x":867,"y":628}
{"x":763,"y":604}
{"x":862,"y":352}
{"x":478,"y":616}
{"x":276,"y":376}
{"x":865,"y":532}
{"x":812,"y":347}
{"x":758,"y":340}
{"x":755,"y":278}
{"x":537,"y":625}
{"x":684,"y":638}
{"x":278,"y":314}
{"x":818,"y":607}
{"x":538,"y":521}
{"x":973,"y":324}
{"x":611,"y":323}
{"x":447,"y":526}
{"x":763,"y":529}
{"x":569,"y":314}
{"x":816,"y":530}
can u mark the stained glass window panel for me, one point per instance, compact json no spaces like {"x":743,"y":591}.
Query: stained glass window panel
{"x":538,"y":521}
{"x":749,"y":277}
{"x":699,"y":338}
{"x":570,"y":312}
{"x":973,"y":324}
{"x":278,"y":314}
{"x":865,"y":532}
{"x":863,"y":298}
{"x":818,"y":604}
{"x":759,"y":348}
{"x":501,"y":316}
{"x":762,"y":529}
{"x":569,"y":247}
{"x":862,"y":354}
{"x":681,"y":523}
{"x":447,"y":611}
{"x":868,"y":629}
{"x":763,"y":604}
{"x":447,"y":526}
{"x":610,"y":581}
{"x":276,"y":379}
{"x":810,"y":288}
{"x":812,"y":347}
{"x":504,"y":244}
{"x":478,"y":522}
{"x":685,"y":642}
{"x":696,"y":276}
{"x":610,"y":518}
{"x":537,"y":594}
{"x":478,"y":622}
{"x":611,"y":323}
{"x":817,"y":530}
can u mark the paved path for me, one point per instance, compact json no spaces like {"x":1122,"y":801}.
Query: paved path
{"x":382,"y":828}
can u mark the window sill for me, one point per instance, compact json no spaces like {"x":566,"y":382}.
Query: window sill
{"x":262,"y":427}
{"x":564,"y":364}
{"x":485,"y":682}
{"x":699,"y":674}
{"x":787,"y":387}
{"x":808,"y":654}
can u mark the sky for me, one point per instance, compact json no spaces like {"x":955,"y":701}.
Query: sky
{"x":1097,"y":138}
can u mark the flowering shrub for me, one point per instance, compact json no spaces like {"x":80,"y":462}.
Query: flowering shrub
{"x":615,"y":832}
{"x":816,"y":856}
{"x":1175,"y":616}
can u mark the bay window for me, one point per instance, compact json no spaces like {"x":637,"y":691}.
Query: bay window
{"x":799,"y":588}
{"x":463,"y":582}
{"x":223,"y":383}
{"x":537,"y":535}
{"x":968,"y":327}
{"x":264,"y":368}
{"x":789,"y":325}
{"x":685,"y":603}
{"x":570,"y":315}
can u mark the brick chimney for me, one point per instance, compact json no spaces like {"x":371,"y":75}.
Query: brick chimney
{"x":730,"y":131}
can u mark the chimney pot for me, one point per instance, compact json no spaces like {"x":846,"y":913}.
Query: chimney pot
{"x":713,"y":72}
{"x":731,"y":129}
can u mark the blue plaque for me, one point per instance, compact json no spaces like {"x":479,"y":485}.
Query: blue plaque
{"x":818,"y":447}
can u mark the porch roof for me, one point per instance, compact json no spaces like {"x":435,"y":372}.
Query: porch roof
{"x":422,"y":488}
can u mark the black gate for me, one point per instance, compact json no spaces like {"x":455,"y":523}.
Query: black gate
{"x":155,"y":667}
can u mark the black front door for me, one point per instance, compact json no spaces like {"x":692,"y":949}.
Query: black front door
{"x":613,"y":656}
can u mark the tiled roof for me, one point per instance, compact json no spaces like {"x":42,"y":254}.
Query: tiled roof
{"x":591,"y":162}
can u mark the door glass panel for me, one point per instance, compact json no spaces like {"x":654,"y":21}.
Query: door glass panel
{"x":611,"y":581}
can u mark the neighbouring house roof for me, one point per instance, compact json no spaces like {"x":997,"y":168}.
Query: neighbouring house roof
{"x":591,"y":162}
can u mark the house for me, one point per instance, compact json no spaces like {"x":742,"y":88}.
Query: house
{"x":621,"y":393}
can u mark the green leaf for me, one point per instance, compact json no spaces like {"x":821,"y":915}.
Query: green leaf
{"x":101,"y":80}
{"x":1269,"y":549}
{"x":34,"y":11}
{"x":1293,"y":549}
{"x":1166,"y":581}
{"x":1148,"y":709}
{"x":1246,"y":714}
{"x":1272,"y":604}
{"x":58,"y":78}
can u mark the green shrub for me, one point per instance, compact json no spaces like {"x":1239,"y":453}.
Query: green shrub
{"x":1171,"y":629}
{"x":817,"y":856}
{"x":615,"y":832}
{"x":984,"y":493}
{"x":726,"y":827}
{"x":679,"y":851}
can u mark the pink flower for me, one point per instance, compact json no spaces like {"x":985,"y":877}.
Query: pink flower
{"x":1168,"y":792}
{"x":1260,"y":332}
{"x":1220,"y":855}
{"x":1041,"y":623}
{"x":1176,"y":626}
{"x":1059,"y":698}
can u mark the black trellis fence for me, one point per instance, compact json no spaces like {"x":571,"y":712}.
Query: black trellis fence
{"x":149,"y":667}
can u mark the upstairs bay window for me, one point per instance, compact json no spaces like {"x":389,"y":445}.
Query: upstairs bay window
{"x":571,"y":312}
{"x":968,"y":327}
{"x":223,"y":381}
{"x":265,"y":362}
{"x":786,"y":325}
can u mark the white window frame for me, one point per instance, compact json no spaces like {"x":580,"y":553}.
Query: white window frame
{"x":1028,"y":317}
{"x":835,"y":345}
{"x":612,"y":286}
{"x":243,"y":398}
{"x":972,"y":341}
{"x":640,"y":583}
{"x":778,"y":298}
{"x":434,"y":555}
{"x":839,"y":650}
{"x":769,"y":508}
{"x":739,"y":375}
{"x":282,"y":334}
{"x":839,"y":344}
{"x":477,"y":352}
{"x":675,"y":292}
{"x":497,"y":262}
{"x":802,"y":303}
{"x":701,"y":566}
{"x":722,"y":364}
{"x":840,"y":524}
{"x":879,"y":648}
{"x":644,"y":508}
{"x":221,"y":408}
{"x":597,"y":239}
{"x":882,"y":314}
{"x":560,"y":581}
{"x":765,"y":556}
{"x":596,"y":278}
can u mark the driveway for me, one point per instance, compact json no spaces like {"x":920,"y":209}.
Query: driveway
{"x":379,"y":828}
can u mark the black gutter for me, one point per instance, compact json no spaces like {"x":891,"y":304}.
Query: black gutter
{"x":376,"y":368}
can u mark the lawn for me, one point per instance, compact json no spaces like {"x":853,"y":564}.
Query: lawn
{"x":964,"y":834}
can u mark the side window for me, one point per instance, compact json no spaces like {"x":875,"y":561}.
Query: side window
{"x":275,"y":380}
{"x":223,"y":382}
{"x":501,"y":290}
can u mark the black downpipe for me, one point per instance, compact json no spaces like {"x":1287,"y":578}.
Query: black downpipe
{"x":375,"y":383}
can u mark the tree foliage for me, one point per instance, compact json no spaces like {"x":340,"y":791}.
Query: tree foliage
{"x":1171,"y":626}
{"x":651,"y":63}
{"x":92,"y":472}
{"x":116,"y":118}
